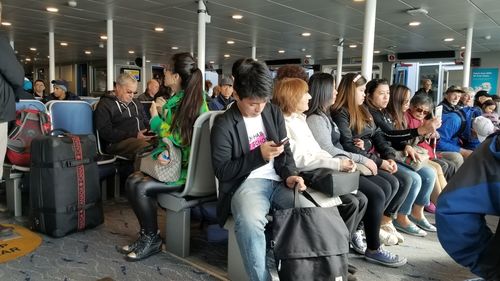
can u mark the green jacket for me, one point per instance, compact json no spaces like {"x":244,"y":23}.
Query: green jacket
{"x":161,"y":124}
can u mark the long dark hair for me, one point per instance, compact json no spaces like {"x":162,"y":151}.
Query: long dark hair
{"x":398,"y":95}
{"x":192,"y":84}
{"x":321,"y":91}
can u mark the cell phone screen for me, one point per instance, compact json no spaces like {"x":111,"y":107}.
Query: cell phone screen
{"x":282,"y":142}
{"x":438,"y":112}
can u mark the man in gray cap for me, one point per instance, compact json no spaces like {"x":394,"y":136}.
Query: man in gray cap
{"x":225,"y":97}
{"x":61,"y":92}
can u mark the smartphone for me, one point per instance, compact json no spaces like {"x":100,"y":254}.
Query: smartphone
{"x":282,"y":142}
{"x":438,"y":112}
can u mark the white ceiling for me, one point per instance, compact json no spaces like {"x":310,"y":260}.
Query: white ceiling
{"x":268,"y":24}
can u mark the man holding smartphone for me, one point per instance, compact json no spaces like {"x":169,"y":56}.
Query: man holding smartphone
{"x":256,"y":171}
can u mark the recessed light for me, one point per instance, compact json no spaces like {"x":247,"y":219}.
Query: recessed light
{"x":88,"y":52}
{"x":230,"y":42}
{"x":148,"y":61}
{"x":104,"y":37}
{"x":303,"y":49}
{"x":308,"y":56}
{"x":448,"y":39}
{"x":64,"y":44}
{"x":6,"y":23}
{"x":28,"y":59}
{"x":306,"y":34}
{"x":131,"y":52}
{"x":376,"y":52}
{"x":175,"y":48}
{"x":32,"y":49}
{"x":211,"y":62}
{"x":463,"y":47}
{"x":52,"y":9}
{"x":359,"y":0}
{"x":353,"y":46}
{"x":227,"y":55}
{"x":237,"y":17}
{"x":414,"y":23}
{"x":281,"y":51}
{"x":159,"y":29}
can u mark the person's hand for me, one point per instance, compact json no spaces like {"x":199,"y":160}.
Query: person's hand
{"x":389,"y":166}
{"x":412,"y":153}
{"x":429,"y":126}
{"x":347,"y":165}
{"x":359,"y":143}
{"x":152,"y":110}
{"x":140,"y":135}
{"x":291,"y":180}
{"x":269,"y":150}
{"x":370,"y":164}
{"x":394,"y":165}
{"x":465,"y":152}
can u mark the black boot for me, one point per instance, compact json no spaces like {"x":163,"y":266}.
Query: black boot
{"x":149,"y":244}
{"x":131,"y":247}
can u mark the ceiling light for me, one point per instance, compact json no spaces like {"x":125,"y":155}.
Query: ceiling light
{"x":28,"y":59}
{"x":211,"y":62}
{"x":417,"y":11}
{"x":64,"y":44}
{"x":237,"y":17}
{"x":281,"y":51}
{"x":230,"y":42}
{"x":52,"y":9}
{"x":104,"y":37}
{"x":448,"y":39}
{"x":308,"y":56}
{"x":88,"y":52}
{"x":175,"y":48}
{"x":414,"y":23}
{"x":376,"y":52}
{"x":32,"y":49}
{"x":463,"y":47}
{"x":6,"y":23}
{"x":306,"y":34}
{"x":131,"y":52}
{"x":227,"y":55}
{"x":352,"y":46}
{"x":487,"y":37}
{"x":303,"y":49}
{"x":358,"y":0}
{"x":159,"y":29}
{"x":148,"y":61}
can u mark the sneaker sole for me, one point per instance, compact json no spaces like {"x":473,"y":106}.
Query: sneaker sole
{"x":156,"y":251}
{"x":396,"y":264}
{"x":409,"y":232}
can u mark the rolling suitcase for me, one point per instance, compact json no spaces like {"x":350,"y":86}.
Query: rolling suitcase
{"x":64,"y":184}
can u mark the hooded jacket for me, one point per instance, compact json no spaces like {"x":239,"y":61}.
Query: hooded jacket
{"x":116,"y":121}
{"x":11,"y":79}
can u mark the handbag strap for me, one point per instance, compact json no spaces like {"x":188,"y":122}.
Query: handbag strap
{"x":296,"y":195}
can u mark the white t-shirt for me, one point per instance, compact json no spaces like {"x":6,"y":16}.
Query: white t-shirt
{"x":256,"y":136}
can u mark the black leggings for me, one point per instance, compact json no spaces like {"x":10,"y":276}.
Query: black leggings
{"x":405,"y":183}
{"x":379,"y":191}
{"x":142,"y":197}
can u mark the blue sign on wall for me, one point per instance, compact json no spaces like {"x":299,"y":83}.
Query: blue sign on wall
{"x":484,"y":79}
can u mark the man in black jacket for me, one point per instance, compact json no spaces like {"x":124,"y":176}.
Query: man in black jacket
{"x":255,"y":172}
{"x":11,"y":78}
{"x":120,"y":120}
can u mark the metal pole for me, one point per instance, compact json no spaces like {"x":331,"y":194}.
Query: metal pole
{"x":201,"y":36}
{"x":467,"y":57}
{"x":254,"y":52}
{"x":143,"y":76}
{"x":52,"y":61}
{"x":109,"y":56}
{"x":12,"y":44}
{"x":340,"y":57}
{"x":368,"y":39}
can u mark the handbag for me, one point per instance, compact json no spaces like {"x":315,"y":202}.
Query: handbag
{"x":330,"y":182}
{"x":363,"y":169}
{"x":164,"y":173}
{"x":309,"y":243}
{"x":409,"y":162}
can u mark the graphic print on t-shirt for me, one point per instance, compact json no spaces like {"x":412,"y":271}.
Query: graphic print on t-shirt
{"x":256,"y":140}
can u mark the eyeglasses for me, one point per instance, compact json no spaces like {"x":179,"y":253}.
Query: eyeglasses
{"x":420,"y":110}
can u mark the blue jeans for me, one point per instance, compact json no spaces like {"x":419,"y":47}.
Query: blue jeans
{"x":249,"y":206}
{"x":421,"y":189}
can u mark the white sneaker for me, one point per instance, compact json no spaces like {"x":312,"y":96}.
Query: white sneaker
{"x":387,"y":238}
{"x":389,"y":227}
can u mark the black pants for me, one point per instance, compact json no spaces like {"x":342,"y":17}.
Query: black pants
{"x":379,"y":192}
{"x":395,"y":203}
{"x":353,"y":209}
{"x":142,"y":197}
{"x":449,"y":168}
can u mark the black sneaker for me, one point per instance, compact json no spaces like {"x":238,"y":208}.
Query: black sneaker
{"x":149,"y":244}
{"x":130,"y":247}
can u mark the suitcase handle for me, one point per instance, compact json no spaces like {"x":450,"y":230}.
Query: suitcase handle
{"x":61,"y":132}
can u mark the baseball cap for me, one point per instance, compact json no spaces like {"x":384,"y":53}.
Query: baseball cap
{"x":483,"y":127}
{"x":226,"y":81}
{"x":454,"y":88}
{"x":63,"y":84}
